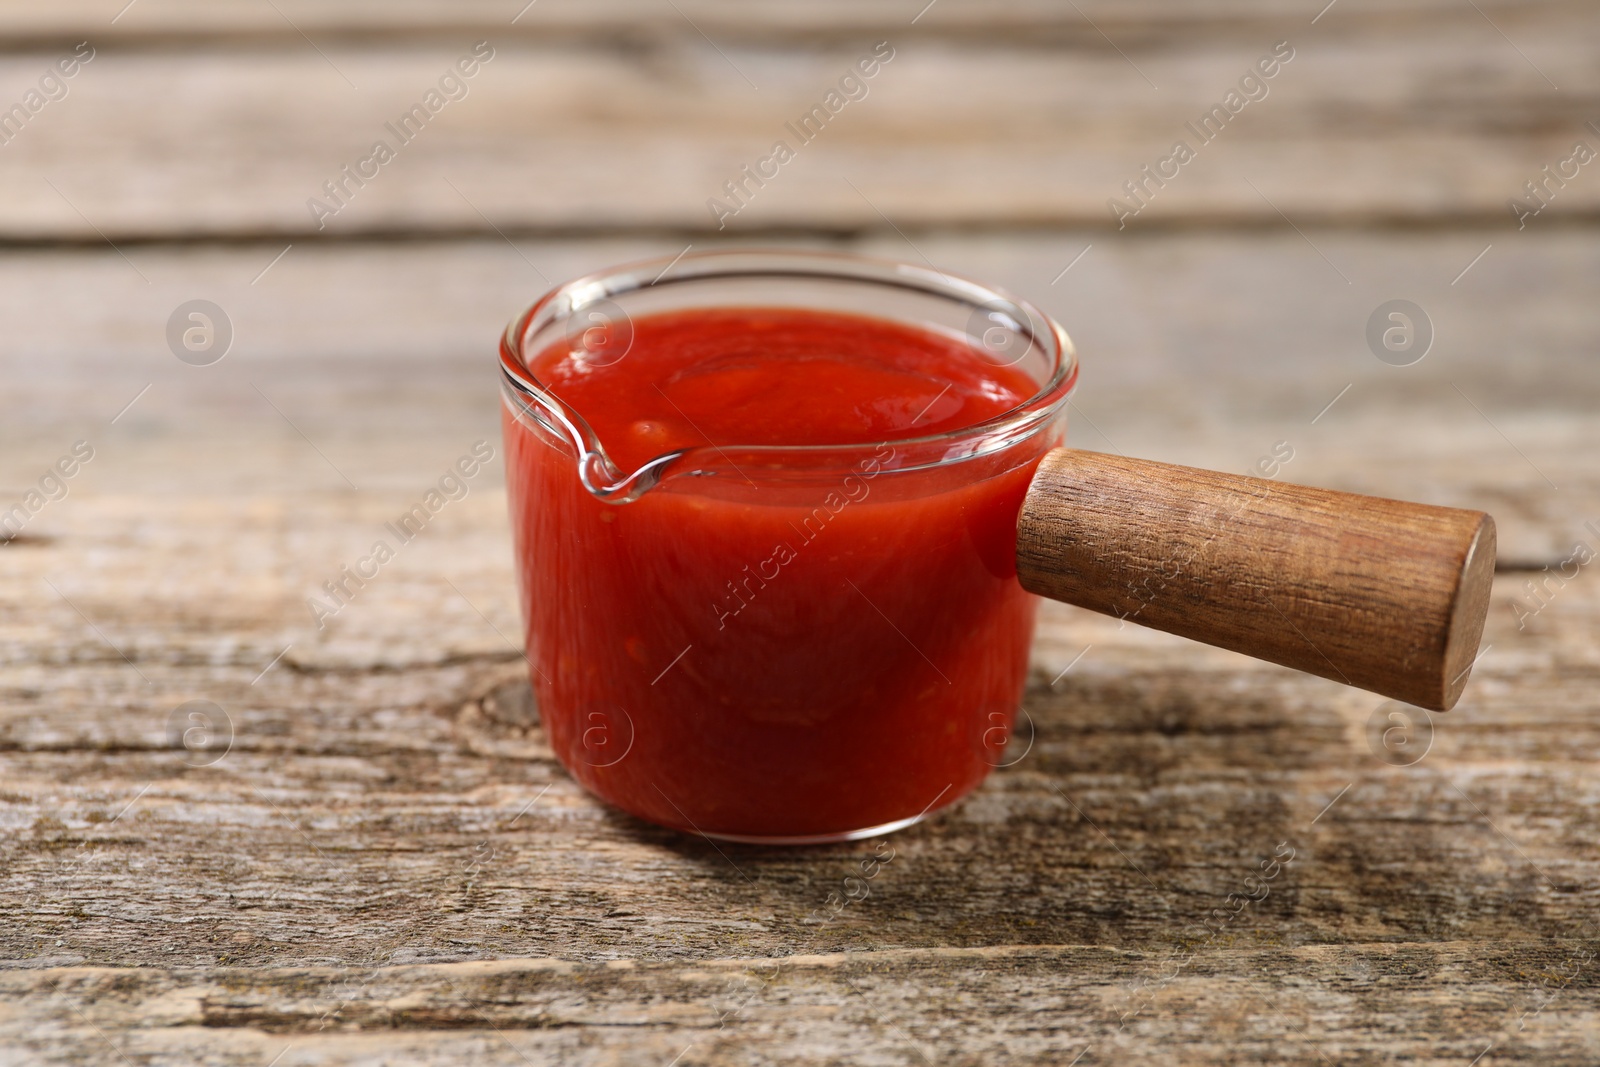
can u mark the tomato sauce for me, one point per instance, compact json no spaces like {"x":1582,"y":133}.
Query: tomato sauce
{"x":749,"y":656}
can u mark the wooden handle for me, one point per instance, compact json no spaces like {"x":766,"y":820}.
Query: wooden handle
{"x":1379,"y":594}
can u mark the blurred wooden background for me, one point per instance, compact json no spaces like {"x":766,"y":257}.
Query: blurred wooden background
{"x":372,"y":856}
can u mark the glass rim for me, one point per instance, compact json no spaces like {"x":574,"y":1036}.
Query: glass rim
{"x":600,"y":474}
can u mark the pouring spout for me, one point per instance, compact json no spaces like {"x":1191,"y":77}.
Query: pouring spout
{"x":550,"y":418}
{"x":601,"y":477}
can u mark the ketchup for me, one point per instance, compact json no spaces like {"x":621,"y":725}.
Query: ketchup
{"x":737,"y":656}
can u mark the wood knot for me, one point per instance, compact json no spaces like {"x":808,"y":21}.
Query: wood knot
{"x":511,"y":705}
{"x":502,"y":718}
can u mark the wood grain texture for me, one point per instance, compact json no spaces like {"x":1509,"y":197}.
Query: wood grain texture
{"x":1385,"y":595}
{"x":1422,"y":114}
{"x":1045,"y":1004}
{"x":1017,"y":22}
{"x":383,"y":804}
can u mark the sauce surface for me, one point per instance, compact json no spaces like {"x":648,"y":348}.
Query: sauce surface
{"x":765,"y":662}
{"x":772,"y":376}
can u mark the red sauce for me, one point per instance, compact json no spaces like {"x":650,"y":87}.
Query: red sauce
{"x":737,"y":656}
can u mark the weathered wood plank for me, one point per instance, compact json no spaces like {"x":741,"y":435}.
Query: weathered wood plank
{"x":370,"y":800}
{"x":1530,"y":1002}
{"x":1197,"y":349}
{"x":1427,"y":118}
{"x":1021,"y":22}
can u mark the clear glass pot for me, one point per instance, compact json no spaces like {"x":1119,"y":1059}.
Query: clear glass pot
{"x":772,"y":643}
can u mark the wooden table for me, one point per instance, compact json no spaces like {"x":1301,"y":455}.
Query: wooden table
{"x":362,"y":850}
